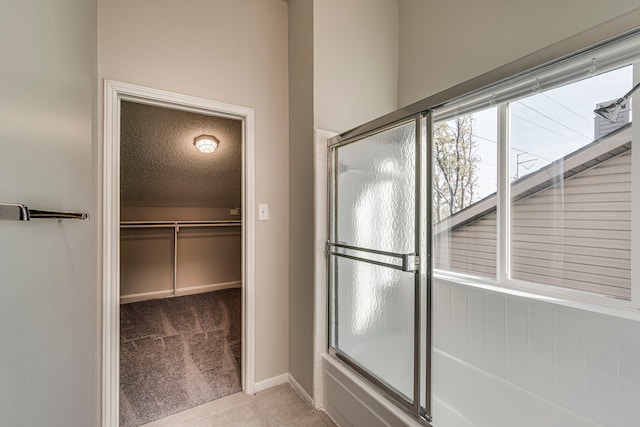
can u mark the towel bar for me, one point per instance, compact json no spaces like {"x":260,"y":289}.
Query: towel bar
{"x":20,"y":212}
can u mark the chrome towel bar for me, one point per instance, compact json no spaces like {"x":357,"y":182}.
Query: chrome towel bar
{"x":20,"y":212}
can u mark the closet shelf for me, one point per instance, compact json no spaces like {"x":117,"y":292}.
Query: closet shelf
{"x":173,"y":224}
{"x":176,"y":226}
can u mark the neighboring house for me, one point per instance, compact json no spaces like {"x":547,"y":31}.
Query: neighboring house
{"x":570,"y":223}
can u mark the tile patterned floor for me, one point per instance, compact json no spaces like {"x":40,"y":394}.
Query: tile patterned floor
{"x":279,"y":406}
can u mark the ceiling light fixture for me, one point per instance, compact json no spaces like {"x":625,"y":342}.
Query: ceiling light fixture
{"x":206,"y":143}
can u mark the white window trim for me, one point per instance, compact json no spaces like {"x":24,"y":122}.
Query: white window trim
{"x":635,"y":202}
{"x":598,"y":60}
{"x":503,"y":219}
{"x":546,"y":293}
{"x":504,"y":283}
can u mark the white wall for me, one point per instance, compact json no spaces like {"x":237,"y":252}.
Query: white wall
{"x":234,"y":52}
{"x":355,"y":65}
{"x":49,"y":308}
{"x":445,"y":43}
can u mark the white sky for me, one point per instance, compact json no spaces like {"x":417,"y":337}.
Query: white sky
{"x":546,"y":126}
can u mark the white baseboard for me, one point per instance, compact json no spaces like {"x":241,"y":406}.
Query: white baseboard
{"x":208,"y":288}
{"x":271,"y":382}
{"x":283,"y":379}
{"x":297,"y":387}
{"x":124,"y":299}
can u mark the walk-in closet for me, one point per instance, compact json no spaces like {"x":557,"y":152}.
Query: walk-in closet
{"x":180,"y":260}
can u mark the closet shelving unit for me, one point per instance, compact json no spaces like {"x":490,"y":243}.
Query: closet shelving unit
{"x":177,"y":225}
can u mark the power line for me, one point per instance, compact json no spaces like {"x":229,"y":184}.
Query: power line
{"x":567,"y":108}
{"x":554,"y":120}
{"x":543,"y":127}
{"x":512,"y":147}
{"x":486,"y":139}
{"x":488,"y":164}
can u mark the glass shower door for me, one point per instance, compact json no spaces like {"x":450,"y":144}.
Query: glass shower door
{"x":374,"y":247}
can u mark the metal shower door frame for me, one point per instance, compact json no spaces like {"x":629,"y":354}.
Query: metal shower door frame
{"x":418,"y":263}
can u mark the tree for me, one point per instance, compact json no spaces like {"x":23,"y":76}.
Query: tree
{"x":455,"y":166}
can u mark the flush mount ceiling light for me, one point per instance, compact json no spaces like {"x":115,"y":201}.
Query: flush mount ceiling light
{"x":206,"y":143}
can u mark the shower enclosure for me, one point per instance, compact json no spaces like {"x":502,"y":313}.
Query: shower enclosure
{"x":379,"y":260}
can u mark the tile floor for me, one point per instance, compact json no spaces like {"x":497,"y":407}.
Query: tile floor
{"x":278,"y":406}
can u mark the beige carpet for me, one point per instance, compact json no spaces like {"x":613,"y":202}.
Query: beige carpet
{"x":178,"y":353}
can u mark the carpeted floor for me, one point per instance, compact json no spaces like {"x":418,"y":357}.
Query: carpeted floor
{"x":177,"y":353}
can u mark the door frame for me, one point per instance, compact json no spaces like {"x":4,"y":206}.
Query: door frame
{"x":421,"y":269}
{"x":114,"y":93}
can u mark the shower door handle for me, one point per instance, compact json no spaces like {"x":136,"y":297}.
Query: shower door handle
{"x":408,"y":262}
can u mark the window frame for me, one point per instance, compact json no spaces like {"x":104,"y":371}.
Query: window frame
{"x":503,"y":281}
{"x":604,"y":35}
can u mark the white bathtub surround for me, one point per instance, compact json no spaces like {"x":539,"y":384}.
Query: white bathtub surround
{"x":499,"y":359}
{"x":320,"y":264}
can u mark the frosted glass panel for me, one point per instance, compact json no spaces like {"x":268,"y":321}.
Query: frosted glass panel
{"x":375,"y":321}
{"x":376,"y":191}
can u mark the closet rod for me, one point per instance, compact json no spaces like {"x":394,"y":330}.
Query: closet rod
{"x":20,"y":212}
{"x":172,"y":224}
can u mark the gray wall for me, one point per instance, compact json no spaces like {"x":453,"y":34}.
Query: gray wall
{"x":301,"y":239}
{"x":49,"y":309}
{"x":338,"y":51}
{"x":577,"y":234}
{"x":235,"y":52}
{"x":446,"y":43}
{"x":355,"y":61}
{"x":574,"y":234}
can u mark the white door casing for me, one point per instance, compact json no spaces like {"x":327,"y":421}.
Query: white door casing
{"x":114,"y":92}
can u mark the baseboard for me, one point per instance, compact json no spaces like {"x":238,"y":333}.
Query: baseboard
{"x":271,"y":382}
{"x":124,"y":299}
{"x":301,"y":391}
{"x":208,"y":288}
{"x":284,"y":379}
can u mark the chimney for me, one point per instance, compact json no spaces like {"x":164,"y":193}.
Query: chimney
{"x":603,"y":127}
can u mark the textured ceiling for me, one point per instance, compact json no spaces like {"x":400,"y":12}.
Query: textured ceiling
{"x":160,"y":165}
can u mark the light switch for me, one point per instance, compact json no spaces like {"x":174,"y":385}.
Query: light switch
{"x":263,"y":212}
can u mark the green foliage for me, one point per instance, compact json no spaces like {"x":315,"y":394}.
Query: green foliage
{"x":455,"y":161}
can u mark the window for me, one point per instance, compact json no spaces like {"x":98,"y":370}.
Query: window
{"x":554,"y":208}
{"x":570,"y":190}
{"x":464,"y":192}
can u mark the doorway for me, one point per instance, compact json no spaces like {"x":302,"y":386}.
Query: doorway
{"x":122,"y":96}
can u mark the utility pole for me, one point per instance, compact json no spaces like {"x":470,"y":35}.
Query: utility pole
{"x":526,"y":164}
